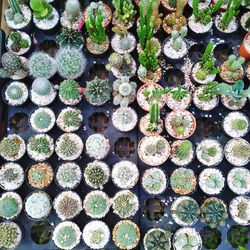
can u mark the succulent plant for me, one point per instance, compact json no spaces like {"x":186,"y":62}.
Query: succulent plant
{"x":157,"y":239}
{"x":172,"y":3}
{"x":69,"y":89}
{"x":71,"y":62}
{"x":42,"y":120}
{"x":142,"y":71}
{"x":207,"y":152}
{"x":67,"y":147}
{"x":9,"y":147}
{"x":124,"y":91}
{"x":71,"y":118}
{"x":40,"y":145}
{"x":214,"y":212}
{"x":187,"y":211}
{"x":97,"y":91}
{"x":242,"y":208}
{"x":15,"y":14}
{"x":178,"y":37}
{"x":70,"y":37}
{"x":238,"y":237}
{"x":186,"y":241}
{"x":8,"y":235}
{"x":241,"y":151}
{"x":41,"y":9}
{"x":73,"y":10}
{"x":17,"y":42}
{"x":211,"y":237}
{"x":10,"y":175}
{"x":239,"y":124}
{"x":42,"y":86}
{"x":183,"y":149}
{"x":8,"y":207}
{"x":150,"y":149}
{"x":179,"y":124}
{"x":234,"y":65}
{"x":41,"y":65}
{"x":239,"y":179}
{"x":179,"y":93}
{"x":14,"y":92}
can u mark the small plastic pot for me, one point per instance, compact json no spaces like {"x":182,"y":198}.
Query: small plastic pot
{"x":243,"y":51}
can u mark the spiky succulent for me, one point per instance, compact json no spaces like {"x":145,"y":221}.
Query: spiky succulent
{"x":70,"y":37}
{"x":241,"y":151}
{"x":42,"y":120}
{"x":10,"y":147}
{"x":10,"y":175}
{"x":239,"y":124}
{"x":187,"y":211}
{"x":67,"y":147}
{"x":69,"y":89}
{"x":183,"y":149}
{"x":8,"y":235}
{"x":214,"y":212}
{"x":72,"y":118}
{"x":41,"y":65}
{"x":71,"y":63}
{"x":158,"y":147}
{"x":42,"y":86}
{"x":97,"y":91}
{"x":8,"y":207}
{"x":14,"y":92}
{"x":179,"y":124}
{"x":40,"y":144}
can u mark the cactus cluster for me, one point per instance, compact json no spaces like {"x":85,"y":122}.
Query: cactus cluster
{"x":97,"y":91}
{"x":41,"y":65}
{"x":42,"y":86}
{"x":124,"y":91}
{"x":11,"y":64}
{"x":8,"y":207}
{"x":14,"y":13}
{"x":183,"y":149}
{"x":40,"y":144}
{"x":178,"y":38}
{"x":73,"y":10}
{"x":242,"y":208}
{"x":8,"y":235}
{"x":10,"y":147}
{"x":179,"y":124}
{"x":41,"y":9}
{"x":214,"y":212}
{"x":94,"y":7}
{"x":234,"y":65}
{"x":67,"y":174}
{"x":72,"y":118}
{"x":70,"y":37}
{"x":158,"y":147}
{"x":18,"y":42}
{"x":68,"y":147}
{"x":71,"y":63}
{"x":14,"y":92}
{"x":69,"y":90}
{"x":42,"y":120}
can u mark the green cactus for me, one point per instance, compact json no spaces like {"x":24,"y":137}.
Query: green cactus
{"x":239,"y":124}
{"x":71,"y":63}
{"x":124,"y":10}
{"x":239,"y":179}
{"x":66,"y":174}
{"x":183,"y":149}
{"x":214,"y":212}
{"x":15,"y":6}
{"x":10,"y":147}
{"x":179,"y":124}
{"x":241,"y":151}
{"x":125,"y":116}
{"x":42,"y":120}
{"x":8,"y":235}
{"x":97,"y":91}
{"x":180,"y":4}
{"x":178,"y":37}
{"x":238,"y":237}
{"x":14,"y":92}
{"x":125,"y":43}
{"x":154,"y":114}
{"x":187,"y":211}
{"x":115,"y":61}
{"x":70,"y":37}
{"x":242,"y":208}
{"x":10,"y":175}
{"x":42,"y":86}
{"x":15,"y":14}
{"x":149,"y":59}
{"x":142,"y":71}
{"x":41,"y":9}
{"x":73,"y":10}
{"x":150,"y":149}
{"x":18,"y":18}
{"x":41,"y":145}
{"x":186,"y":241}
{"x":41,"y":65}
{"x":208,"y":152}
{"x":8,"y":207}
{"x":235,"y":64}
{"x":68,"y":147}
{"x":69,"y":89}
{"x":72,"y":118}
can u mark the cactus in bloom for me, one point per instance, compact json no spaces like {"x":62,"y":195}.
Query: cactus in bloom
{"x":42,"y":86}
{"x":73,"y":10}
{"x":178,"y":37}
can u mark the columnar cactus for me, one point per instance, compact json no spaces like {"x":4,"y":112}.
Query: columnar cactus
{"x":71,"y":63}
{"x":178,"y":37}
{"x":183,"y":149}
{"x":73,"y":10}
{"x":41,"y":65}
{"x":42,"y":86}
{"x":97,"y":91}
{"x":15,"y":14}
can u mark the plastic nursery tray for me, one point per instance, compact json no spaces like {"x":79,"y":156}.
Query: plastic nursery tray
{"x":208,"y":125}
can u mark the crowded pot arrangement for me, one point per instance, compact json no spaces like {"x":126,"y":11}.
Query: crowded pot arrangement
{"x":127,"y":125}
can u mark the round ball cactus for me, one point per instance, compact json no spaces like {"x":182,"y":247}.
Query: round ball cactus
{"x":142,"y":71}
{"x":125,"y":43}
{"x":115,"y":60}
{"x":11,"y":62}
{"x":18,"y":18}
{"x":69,"y":89}
{"x":42,"y":120}
{"x":14,"y":92}
{"x":125,"y":89}
{"x":42,"y":86}
{"x":72,"y":9}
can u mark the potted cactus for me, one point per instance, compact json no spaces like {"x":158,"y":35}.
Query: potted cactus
{"x":124,"y":13}
{"x":231,"y":70}
{"x":71,"y":16}
{"x":205,"y":70}
{"x":121,"y":65}
{"x":14,"y":66}
{"x":175,"y":20}
{"x":18,"y":16}
{"x":18,"y":42}
{"x":170,"y":5}
{"x":176,"y":47}
{"x":97,"y":42}
{"x":97,"y":91}
{"x":124,"y":92}
{"x":123,"y":41}
{"x":70,"y":92}
{"x":226,"y":22}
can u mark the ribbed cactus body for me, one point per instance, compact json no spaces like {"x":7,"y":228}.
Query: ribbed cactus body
{"x":42,"y":86}
{"x":15,"y":7}
{"x":14,"y":92}
{"x":8,"y":235}
{"x":11,"y":62}
{"x":42,"y":120}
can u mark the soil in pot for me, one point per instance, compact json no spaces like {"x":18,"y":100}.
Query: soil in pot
{"x":98,"y":70}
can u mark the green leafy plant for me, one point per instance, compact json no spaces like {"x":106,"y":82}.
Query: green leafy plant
{"x":95,"y":29}
{"x":70,"y":37}
{"x":237,"y":237}
{"x":149,"y":59}
{"x":69,"y":89}
{"x":205,"y":15}
{"x":207,"y":63}
{"x":179,"y":93}
{"x":154,"y":95}
{"x":211,"y":237}
{"x":178,"y":38}
{"x":97,"y":91}
{"x":41,"y":9}
{"x":15,"y":13}
{"x":239,"y":124}
{"x":234,"y":66}
{"x":18,"y":42}
{"x":124,"y":10}
{"x":231,"y":11}
{"x":183,"y":149}
{"x":208,"y":92}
